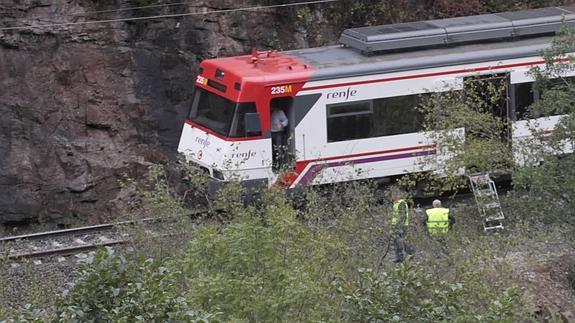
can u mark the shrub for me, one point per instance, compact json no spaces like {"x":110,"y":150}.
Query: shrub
{"x":408,"y":293}
{"x":264,"y":266}
{"x":112,"y":288}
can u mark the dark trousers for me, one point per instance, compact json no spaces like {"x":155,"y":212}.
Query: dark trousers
{"x":400,"y":245}
{"x":278,"y":149}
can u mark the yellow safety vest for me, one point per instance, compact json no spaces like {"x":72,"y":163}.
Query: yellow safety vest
{"x":396,"y":208}
{"x":437,"y":220}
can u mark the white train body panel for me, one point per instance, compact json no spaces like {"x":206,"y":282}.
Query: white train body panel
{"x":246,"y":159}
{"x":388,"y":155}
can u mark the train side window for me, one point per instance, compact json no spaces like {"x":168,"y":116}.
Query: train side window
{"x":348,"y":121}
{"x":524,"y":97}
{"x":538,"y":93}
{"x":238,"y":128}
{"x":397,"y":115}
{"x":558,"y":83}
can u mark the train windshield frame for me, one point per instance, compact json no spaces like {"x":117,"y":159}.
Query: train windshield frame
{"x":220,"y":115}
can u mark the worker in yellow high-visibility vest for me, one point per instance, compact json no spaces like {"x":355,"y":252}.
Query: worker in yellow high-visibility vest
{"x":399,"y":225}
{"x":439,"y":219}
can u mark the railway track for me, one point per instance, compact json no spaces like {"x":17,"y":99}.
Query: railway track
{"x":74,"y":240}
{"x":64,"y":242}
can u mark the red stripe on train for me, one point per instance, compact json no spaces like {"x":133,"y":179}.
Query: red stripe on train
{"x":289,"y":178}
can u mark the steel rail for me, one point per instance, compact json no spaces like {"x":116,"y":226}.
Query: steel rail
{"x":87,"y":229}
{"x":70,"y":250}
{"x":66,"y":251}
{"x":59,"y":233}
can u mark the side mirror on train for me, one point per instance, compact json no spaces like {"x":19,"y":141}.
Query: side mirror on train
{"x":253,"y":124}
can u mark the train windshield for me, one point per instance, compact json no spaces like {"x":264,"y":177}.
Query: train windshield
{"x":220,"y":114}
{"x":212,"y":111}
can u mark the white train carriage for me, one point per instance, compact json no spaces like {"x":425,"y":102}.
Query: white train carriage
{"x":351,"y":108}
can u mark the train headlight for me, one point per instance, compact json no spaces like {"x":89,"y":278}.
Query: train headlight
{"x":218,"y":175}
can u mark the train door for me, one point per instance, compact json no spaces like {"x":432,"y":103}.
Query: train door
{"x":492,"y":94}
{"x":282,"y":129}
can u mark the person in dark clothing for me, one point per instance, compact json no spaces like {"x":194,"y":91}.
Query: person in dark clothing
{"x":400,"y":226}
{"x":279,"y":122}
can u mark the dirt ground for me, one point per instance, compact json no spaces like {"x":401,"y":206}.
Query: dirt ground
{"x":548,"y":272}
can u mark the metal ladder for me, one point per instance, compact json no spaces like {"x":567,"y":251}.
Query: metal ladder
{"x":487,"y":200}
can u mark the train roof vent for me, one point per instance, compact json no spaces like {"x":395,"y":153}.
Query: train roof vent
{"x":459,"y":30}
{"x":389,"y":37}
{"x":475,"y":28}
{"x":539,"y":21}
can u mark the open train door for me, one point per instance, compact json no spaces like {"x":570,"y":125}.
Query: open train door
{"x":493,"y":91}
{"x":283,"y":147}
{"x":491,"y":94}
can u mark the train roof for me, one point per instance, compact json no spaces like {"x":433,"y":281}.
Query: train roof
{"x":404,"y":47}
{"x":459,"y":30}
{"x":340,"y":62}
{"x":436,"y":43}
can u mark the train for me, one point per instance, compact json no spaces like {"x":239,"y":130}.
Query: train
{"x":351,"y":108}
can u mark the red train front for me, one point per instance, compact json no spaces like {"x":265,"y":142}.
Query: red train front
{"x":227,"y":132}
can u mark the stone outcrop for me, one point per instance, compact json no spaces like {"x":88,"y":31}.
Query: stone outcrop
{"x":71,"y":125}
{"x":83,"y":105}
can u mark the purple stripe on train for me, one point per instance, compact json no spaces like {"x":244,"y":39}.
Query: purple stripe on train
{"x":315,"y":169}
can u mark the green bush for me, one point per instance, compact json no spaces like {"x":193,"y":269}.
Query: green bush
{"x":265,"y":266}
{"x":408,"y":293}
{"x":544,"y":187}
{"x":275,"y":263}
{"x":111,"y":288}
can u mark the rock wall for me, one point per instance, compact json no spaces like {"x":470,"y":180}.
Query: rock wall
{"x":84,"y":104}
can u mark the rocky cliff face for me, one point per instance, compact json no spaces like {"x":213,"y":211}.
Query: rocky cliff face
{"x":82,"y":105}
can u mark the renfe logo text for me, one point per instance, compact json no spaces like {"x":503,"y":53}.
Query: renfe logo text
{"x":244,"y":155}
{"x":203,"y":142}
{"x":342,"y":94}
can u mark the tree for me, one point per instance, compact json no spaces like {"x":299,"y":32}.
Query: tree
{"x":545,"y":185}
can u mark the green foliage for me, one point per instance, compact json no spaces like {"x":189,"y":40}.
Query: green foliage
{"x":275,"y":263}
{"x":478,"y":111}
{"x":230,"y":198}
{"x":28,"y":314}
{"x":112,"y":288}
{"x":157,"y":195}
{"x":544,"y":186}
{"x":557,"y":89}
{"x":4,"y":263}
{"x":197,"y":194}
{"x":545,"y":193}
{"x":165,"y":212}
{"x":410,"y":294}
{"x":471,"y":131}
{"x":353,"y":213}
{"x":462,"y":277}
{"x":264,"y":266}
{"x":369,"y":12}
